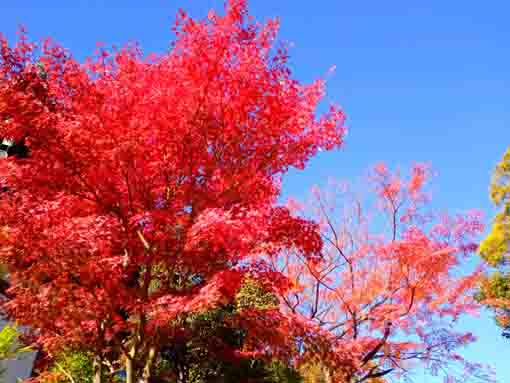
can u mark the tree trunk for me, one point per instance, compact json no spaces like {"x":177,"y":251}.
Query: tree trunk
{"x":147,"y":370}
{"x":130,"y":367}
{"x":130,"y":373}
{"x":181,"y":374}
{"x":98,"y":370}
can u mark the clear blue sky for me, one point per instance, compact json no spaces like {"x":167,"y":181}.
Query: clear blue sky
{"x":419,"y":81}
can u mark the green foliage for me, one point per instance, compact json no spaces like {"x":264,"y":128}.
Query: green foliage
{"x":213,"y":326}
{"x":260,"y":372}
{"x":498,"y":285}
{"x":10,"y":345}
{"x":252,"y":294}
{"x":75,"y":364}
{"x":280,"y":373}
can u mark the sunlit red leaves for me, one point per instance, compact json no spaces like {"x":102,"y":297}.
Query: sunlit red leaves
{"x":218,"y":291}
{"x":152,"y":180}
{"x":387,"y":284}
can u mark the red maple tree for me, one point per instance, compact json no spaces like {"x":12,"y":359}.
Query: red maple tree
{"x":151,"y":186}
{"x":391,"y":282}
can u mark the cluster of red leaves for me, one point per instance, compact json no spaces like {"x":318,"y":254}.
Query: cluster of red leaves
{"x":392,"y":278}
{"x":151,"y":191}
{"x":144,"y":171}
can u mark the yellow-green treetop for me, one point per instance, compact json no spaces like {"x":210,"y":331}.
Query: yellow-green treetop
{"x":495,"y":248}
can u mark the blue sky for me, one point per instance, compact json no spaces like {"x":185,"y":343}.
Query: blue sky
{"x":419,"y":81}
